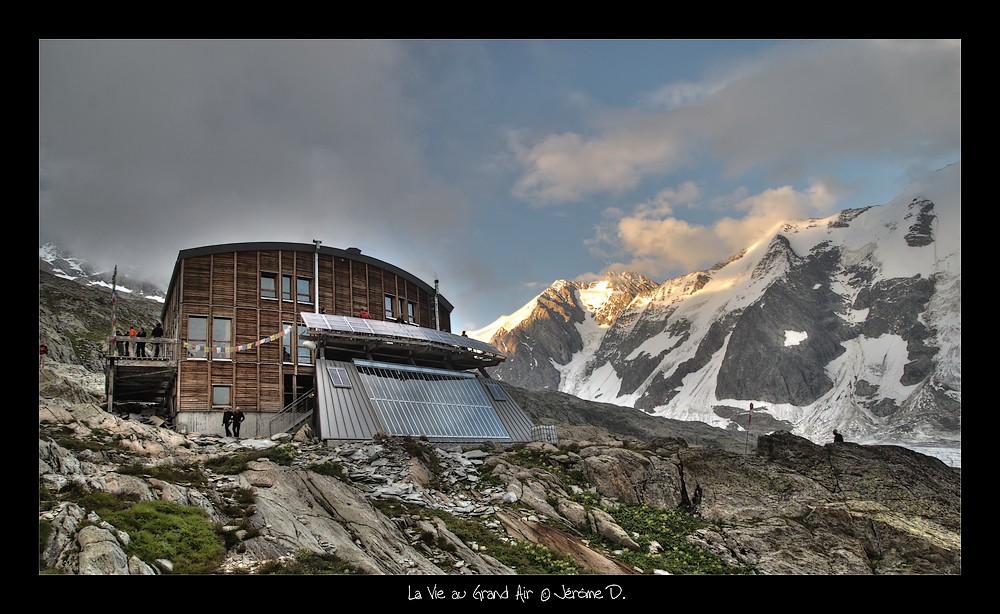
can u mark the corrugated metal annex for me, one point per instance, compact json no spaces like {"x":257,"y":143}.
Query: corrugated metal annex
{"x":356,"y":400}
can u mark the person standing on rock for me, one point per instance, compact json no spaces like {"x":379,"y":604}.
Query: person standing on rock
{"x":238,"y":419}
{"x":227,"y":420}
{"x":837,"y":437}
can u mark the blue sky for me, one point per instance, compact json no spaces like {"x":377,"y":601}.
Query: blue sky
{"x":496,"y":166}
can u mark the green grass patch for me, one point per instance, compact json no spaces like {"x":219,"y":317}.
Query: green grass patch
{"x":669,"y":529}
{"x":330,"y":468}
{"x":524,"y":557}
{"x":44,"y":530}
{"x":540,"y":459}
{"x":181,"y":534}
{"x":237,"y":462}
{"x":97,"y":441}
{"x":309,"y":563}
{"x":189,"y":474}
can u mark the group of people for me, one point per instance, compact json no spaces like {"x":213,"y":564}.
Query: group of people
{"x":232,"y":420}
{"x":136,"y":345}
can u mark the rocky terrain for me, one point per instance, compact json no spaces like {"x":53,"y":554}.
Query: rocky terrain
{"x":622,"y":493}
{"x":401,"y":506}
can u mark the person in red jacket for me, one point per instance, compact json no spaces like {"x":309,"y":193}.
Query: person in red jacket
{"x":130,"y":348}
{"x":364,"y":314}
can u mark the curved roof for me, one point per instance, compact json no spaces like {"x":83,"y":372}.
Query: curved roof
{"x":351,"y":253}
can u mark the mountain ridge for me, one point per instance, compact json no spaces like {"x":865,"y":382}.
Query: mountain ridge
{"x":850,"y":321}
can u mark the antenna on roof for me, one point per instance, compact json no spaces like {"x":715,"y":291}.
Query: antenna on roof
{"x":316,"y":277}
{"x":437,"y":324}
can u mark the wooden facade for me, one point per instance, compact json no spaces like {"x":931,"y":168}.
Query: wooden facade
{"x":226,"y":296}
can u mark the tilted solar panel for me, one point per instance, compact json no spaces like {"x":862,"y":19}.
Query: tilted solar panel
{"x":428,"y":402}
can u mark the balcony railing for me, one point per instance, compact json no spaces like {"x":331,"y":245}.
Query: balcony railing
{"x":126,"y":348}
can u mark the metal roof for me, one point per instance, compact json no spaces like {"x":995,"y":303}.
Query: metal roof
{"x":360,"y":398}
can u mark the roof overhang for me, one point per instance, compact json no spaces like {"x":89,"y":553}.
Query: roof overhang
{"x":398,"y":342}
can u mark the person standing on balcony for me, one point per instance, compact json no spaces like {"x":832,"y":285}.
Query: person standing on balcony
{"x":130,"y":348}
{"x":140,"y":349}
{"x":157,"y":333}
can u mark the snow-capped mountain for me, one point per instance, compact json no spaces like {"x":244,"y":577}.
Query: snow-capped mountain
{"x":54,"y":260}
{"x":850,"y":322}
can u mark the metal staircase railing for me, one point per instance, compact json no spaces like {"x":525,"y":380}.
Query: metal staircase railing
{"x":294,"y":415}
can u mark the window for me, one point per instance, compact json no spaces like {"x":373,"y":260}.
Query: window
{"x":388,"y":306}
{"x":303,"y":290}
{"x":286,"y":287}
{"x":286,"y":343}
{"x":496,"y":391}
{"x":221,"y":396}
{"x":268,"y":285}
{"x":411,"y":310}
{"x":222,"y":339}
{"x":339,"y":377}
{"x":197,"y":337}
{"x":304,"y":354}
{"x":402,"y":308}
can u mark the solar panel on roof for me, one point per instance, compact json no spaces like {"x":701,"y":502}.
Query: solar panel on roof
{"x":420,"y":401}
{"x":380,"y":328}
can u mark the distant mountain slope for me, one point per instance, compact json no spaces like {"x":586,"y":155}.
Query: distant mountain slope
{"x":58,"y":262}
{"x":850,"y":322}
{"x":74,"y":320}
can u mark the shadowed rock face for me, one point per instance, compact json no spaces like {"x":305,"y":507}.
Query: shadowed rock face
{"x":550,"y":336}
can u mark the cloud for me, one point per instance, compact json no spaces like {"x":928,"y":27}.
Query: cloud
{"x":651,"y":241}
{"x":801,"y":106}
{"x":159,"y":146}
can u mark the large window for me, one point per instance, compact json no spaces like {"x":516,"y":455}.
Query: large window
{"x":197,"y":336}
{"x":411,"y":312}
{"x":221,"y":396}
{"x":305,"y":354}
{"x":388,"y":306}
{"x":286,"y":287}
{"x":269,"y":285}
{"x":286,"y":343}
{"x":222,"y":339}
{"x":303,"y":290}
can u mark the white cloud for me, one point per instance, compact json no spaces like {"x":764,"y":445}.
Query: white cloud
{"x":651,"y":241}
{"x":805,"y":108}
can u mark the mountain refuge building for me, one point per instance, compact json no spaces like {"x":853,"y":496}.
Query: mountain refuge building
{"x":298,"y":334}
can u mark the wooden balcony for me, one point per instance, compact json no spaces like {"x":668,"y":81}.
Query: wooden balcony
{"x":137,"y":380}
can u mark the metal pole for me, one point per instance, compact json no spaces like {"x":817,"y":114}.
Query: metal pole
{"x":316,"y":277}
{"x":112,"y":344}
{"x":437,"y":324}
{"x":749,"y":420}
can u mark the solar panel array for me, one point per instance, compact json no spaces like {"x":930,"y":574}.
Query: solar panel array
{"x":419,"y":401}
{"x":381,"y":328}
